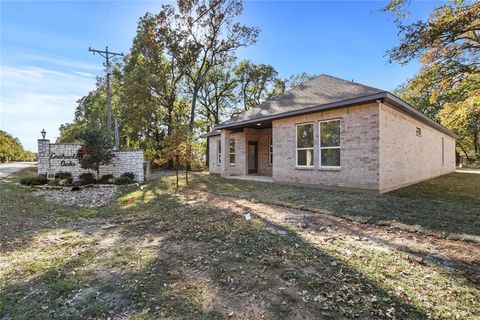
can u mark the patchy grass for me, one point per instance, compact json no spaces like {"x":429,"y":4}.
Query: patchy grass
{"x":176,"y":254}
{"x":444,"y":206}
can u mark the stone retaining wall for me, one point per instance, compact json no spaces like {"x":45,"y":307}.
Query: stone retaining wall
{"x":60,"y":157}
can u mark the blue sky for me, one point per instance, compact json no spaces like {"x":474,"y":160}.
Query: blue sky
{"x":45,"y":65}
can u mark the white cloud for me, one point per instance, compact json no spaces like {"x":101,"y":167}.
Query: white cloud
{"x":33,"y":99}
{"x":60,"y":62}
{"x":84,"y":74}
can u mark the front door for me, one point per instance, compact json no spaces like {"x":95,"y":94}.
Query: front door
{"x":252,"y":157}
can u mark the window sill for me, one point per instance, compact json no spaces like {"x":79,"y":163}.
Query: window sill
{"x":304,"y":168}
{"x":329,"y":169}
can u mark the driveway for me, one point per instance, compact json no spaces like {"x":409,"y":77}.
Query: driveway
{"x":7,"y":169}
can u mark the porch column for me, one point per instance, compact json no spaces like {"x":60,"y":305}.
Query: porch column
{"x":225,"y":145}
{"x":246,"y":134}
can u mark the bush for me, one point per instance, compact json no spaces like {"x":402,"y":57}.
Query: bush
{"x":87,"y":178}
{"x":53,"y":183}
{"x":34,"y":181}
{"x":123,"y":180}
{"x":63,"y":175}
{"x":107,"y":178}
{"x":130,"y":175}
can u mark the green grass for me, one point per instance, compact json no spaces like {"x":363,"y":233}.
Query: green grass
{"x":445,"y":206}
{"x":172,"y":255}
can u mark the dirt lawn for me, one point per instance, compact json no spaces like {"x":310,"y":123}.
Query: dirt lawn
{"x":191,"y":254}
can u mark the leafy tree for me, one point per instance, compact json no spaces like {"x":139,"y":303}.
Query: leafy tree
{"x":152,"y":84}
{"x":448,"y":84}
{"x":99,"y":150}
{"x":448,"y":44}
{"x":217,"y":96}
{"x":201,"y":35}
{"x":297,"y":80}
{"x":256,"y":83}
{"x":12,"y":150}
{"x":175,"y":150}
{"x":462,"y":114}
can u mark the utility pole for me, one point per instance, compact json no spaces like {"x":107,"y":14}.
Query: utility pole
{"x":107,"y":55}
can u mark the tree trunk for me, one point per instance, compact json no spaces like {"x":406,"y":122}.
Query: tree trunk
{"x":176,"y":172}
{"x":191,"y":126}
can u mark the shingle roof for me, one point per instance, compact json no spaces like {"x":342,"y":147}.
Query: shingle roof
{"x":320,"y":90}
{"x":322,"y":93}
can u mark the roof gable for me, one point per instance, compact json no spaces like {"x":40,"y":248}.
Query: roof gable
{"x":320,"y":90}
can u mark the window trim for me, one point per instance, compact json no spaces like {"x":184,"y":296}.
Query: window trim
{"x":270,"y":151}
{"x":320,"y":148}
{"x":219,"y":152}
{"x":230,"y":151}
{"x":297,"y":149}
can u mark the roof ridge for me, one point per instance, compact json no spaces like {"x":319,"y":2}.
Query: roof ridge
{"x":352,"y":82}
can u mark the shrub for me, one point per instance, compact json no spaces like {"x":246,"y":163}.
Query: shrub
{"x":53,"y":183}
{"x":34,"y":181}
{"x":130,"y":175}
{"x":123,"y":180}
{"x":87,"y":178}
{"x":63,"y":175}
{"x":107,"y":178}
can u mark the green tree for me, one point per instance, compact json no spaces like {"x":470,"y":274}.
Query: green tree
{"x":217,"y":97}
{"x":99,"y":150}
{"x":447,"y":85}
{"x":447,"y":44}
{"x":201,"y":35}
{"x":11,"y":149}
{"x":256,"y":83}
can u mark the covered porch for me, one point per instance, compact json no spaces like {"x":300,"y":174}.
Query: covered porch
{"x":248,"y":152}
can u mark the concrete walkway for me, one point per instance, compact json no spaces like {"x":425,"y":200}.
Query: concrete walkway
{"x":466,"y":170}
{"x":253,"y":178}
{"x":7,"y":169}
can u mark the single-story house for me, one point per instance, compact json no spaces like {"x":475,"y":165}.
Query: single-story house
{"x":333,"y":132}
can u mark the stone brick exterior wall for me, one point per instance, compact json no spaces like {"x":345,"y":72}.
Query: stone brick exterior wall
{"x":359,"y":149}
{"x":62,"y":157}
{"x":406,"y":158}
{"x":379,"y":150}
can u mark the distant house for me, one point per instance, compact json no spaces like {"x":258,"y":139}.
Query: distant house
{"x":333,"y":132}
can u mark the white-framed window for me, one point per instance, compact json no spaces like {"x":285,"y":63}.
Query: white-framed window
{"x":270,"y":151}
{"x":304,"y":144}
{"x":232,"y":151}
{"x":219,"y":152}
{"x":329,"y":143}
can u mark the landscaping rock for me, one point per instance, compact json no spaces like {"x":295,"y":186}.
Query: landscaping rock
{"x":84,"y":198}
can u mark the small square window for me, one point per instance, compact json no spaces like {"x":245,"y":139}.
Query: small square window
{"x":418,"y":131}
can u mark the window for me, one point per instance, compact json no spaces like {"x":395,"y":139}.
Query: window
{"x":305,"y":145}
{"x":219,"y":151}
{"x":330,"y":143}
{"x":418,"y":131}
{"x":270,"y":151}
{"x":232,"y":151}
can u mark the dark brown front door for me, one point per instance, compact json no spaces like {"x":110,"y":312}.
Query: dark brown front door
{"x":252,"y":157}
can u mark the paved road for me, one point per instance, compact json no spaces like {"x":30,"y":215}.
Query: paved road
{"x":7,"y":169}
